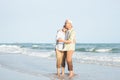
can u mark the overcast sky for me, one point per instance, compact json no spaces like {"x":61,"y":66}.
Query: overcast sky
{"x":95,"y":21}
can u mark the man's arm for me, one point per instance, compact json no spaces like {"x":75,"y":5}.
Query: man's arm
{"x":65,"y":41}
{"x":71,"y":39}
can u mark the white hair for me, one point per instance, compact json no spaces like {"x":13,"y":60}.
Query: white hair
{"x":68,"y":21}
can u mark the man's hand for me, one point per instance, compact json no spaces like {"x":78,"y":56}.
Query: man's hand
{"x":60,"y":40}
{"x":65,"y":41}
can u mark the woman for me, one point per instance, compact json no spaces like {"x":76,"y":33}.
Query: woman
{"x":59,"y":50}
{"x":69,"y":46}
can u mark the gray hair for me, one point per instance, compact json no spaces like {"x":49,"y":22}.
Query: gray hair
{"x":69,"y":21}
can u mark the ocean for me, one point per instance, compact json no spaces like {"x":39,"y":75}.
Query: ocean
{"x":107,"y":54}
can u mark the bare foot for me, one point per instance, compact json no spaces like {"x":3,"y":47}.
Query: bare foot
{"x":58,"y":74}
{"x":71,"y":74}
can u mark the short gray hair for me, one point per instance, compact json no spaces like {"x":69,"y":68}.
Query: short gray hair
{"x":67,"y":20}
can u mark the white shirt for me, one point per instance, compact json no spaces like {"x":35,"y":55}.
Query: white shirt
{"x":60,"y":35}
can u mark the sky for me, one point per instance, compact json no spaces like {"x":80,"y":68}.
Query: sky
{"x":37,"y":21}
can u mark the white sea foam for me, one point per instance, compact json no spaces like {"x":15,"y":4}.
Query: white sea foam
{"x":25,"y":51}
{"x":37,"y":54}
{"x":35,"y":46}
{"x":10,"y":49}
{"x":103,"y":50}
{"x":97,"y":58}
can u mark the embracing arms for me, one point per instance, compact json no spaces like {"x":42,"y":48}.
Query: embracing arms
{"x":71,"y":39}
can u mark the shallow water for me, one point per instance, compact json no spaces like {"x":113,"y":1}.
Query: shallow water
{"x":102,"y":54}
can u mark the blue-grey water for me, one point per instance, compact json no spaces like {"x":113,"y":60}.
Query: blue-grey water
{"x":101,"y":53}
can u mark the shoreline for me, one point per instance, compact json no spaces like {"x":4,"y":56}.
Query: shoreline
{"x":22,"y":67}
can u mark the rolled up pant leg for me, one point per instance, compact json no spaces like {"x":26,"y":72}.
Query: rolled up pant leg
{"x":69,"y":60}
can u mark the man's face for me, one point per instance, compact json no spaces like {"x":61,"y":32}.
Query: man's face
{"x":68,"y":25}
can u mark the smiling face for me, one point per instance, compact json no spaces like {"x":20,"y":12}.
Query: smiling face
{"x":68,"y":24}
{"x":64,"y":29}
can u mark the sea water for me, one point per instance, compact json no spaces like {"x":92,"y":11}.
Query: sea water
{"x":101,"y":53}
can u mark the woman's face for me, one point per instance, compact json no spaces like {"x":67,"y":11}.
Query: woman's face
{"x":64,"y":29}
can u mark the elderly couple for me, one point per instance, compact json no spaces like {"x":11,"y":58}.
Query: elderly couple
{"x":65,"y":46}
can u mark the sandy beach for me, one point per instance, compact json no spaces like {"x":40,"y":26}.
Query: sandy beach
{"x":23,"y":67}
{"x":34,"y":32}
